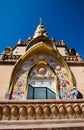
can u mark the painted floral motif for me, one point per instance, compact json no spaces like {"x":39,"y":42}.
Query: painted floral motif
{"x":18,"y":93}
{"x":20,"y":83}
{"x":25,"y":66}
{"x":20,"y":86}
{"x":64,"y":85}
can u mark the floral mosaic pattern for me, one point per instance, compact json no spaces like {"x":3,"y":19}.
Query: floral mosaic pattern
{"x":64,"y":85}
{"x":20,"y":81}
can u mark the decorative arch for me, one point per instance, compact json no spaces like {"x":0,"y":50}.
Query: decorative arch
{"x":40,"y":52}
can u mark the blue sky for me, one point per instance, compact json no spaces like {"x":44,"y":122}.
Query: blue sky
{"x":64,"y":20}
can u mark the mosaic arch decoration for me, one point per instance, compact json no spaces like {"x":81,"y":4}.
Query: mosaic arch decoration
{"x":19,"y":88}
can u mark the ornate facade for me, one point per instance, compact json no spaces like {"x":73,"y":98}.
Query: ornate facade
{"x":41,"y":85}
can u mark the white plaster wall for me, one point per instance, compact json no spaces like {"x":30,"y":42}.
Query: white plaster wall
{"x":62,"y":51}
{"x":19,"y":50}
{"x":5,"y":74}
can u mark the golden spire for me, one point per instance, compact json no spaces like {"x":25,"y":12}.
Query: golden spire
{"x":40,"y":30}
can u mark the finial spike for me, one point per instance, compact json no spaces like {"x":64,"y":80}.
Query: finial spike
{"x":40,"y":21}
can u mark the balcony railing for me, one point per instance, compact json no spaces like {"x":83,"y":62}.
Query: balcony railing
{"x":42,"y":114}
{"x":41,"y":109}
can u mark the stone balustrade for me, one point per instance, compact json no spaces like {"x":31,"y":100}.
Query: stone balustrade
{"x":60,"y":43}
{"x":11,"y":57}
{"x":4,"y":57}
{"x":16,"y":57}
{"x":71,"y":58}
{"x":41,"y":109}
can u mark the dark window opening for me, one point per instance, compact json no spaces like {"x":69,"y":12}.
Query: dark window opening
{"x":40,"y":93}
